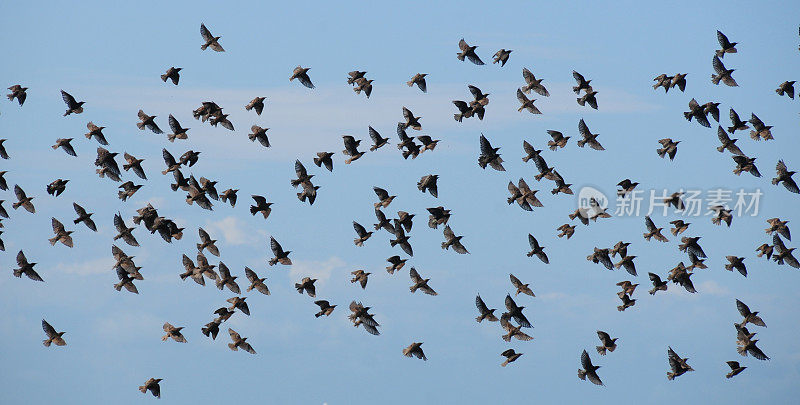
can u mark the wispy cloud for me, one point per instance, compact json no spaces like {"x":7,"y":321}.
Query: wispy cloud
{"x":321,"y":270}
{"x":233,"y":230}
{"x":90,"y":267}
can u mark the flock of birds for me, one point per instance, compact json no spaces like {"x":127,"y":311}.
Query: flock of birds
{"x":513,"y":321}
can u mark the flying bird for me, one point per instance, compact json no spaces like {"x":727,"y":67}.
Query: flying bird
{"x":73,"y":106}
{"x":784,"y":176}
{"x":489,"y":156}
{"x":325,"y":308}
{"x":301,"y":74}
{"x":589,"y":370}
{"x":419,"y":80}
{"x":483,"y":311}
{"x":238,"y":342}
{"x":281,"y":256}
{"x":607,"y":343}
{"x":537,"y":250}
{"x":588,"y":137}
{"x":510,"y":355}
{"x":726,"y":46}
{"x":722,"y":74}
{"x":256,"y":283}
{"x":468,"y":52}
{"x":53,"y":337}
{"x":501,"y":57}
{"x":148,"y":122}
{"x":173,"y":74}
{"x":153,"y":386}
{"x":415,"y":350}
{"x":173,"y":333}
{"x":210,"y":40}
{"x":521,"y":288}
{"x":17,"y":92}
{"x":531,"y":83}
{"x":26,"y":268}
{"x":23,"y":200}
{"x":786,"y":88}
{"x":420,"y":283}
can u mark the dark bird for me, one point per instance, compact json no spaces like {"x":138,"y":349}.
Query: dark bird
{"x":3,"y":212}
{"x":711,"y":108}
{"x":125,"y":281}
{"x":601,"y":256}
{"x":675,"y":200}
{"x":23,"y":200}
{"x":360,"y":276}
{"x":419,"y":80}
{"x":383,"y":222}
{"x":589,"y":370}
{"x":354,"y":76}
{"x":628,"y":288}
{"x":178,"y":132}
{"x":735,"y":368}
{"x":134,"y":164}
{"x":480,"y":97}
{"x":588,"y":98}
{"x":192,"y":271}
{"x":221,"y":119}
{"x":513,"y":331}
{"x":697,"y":112}
{"x":256,"y":283}
{"x":301,"y":173}
{"x":64,"y":143}
{"x":679,"y":226}
{"x":725,"y":45}
{"x":620,"y":248}
{"x":57,"y":187}
{"x":128,"y":190}
{"x":531,"y":83}
{"x":207,"y":243}
{"x":281,"y":256}
{"x":607,"y":343}
{"x":745,"y":164}
{"x":384,"y":199}
{"x":420,"y":284}
{"x":17,"y":92}
{"x":3,"y":183}
{"x":396,"y":263}
{"x":559,"y":140}
{"x":401,"y":239}
{"x":527,"y":104}
{"x":239,"y":303}
{"x":173,"y":333}
{"x":73,"y":107}
{"x":301,"y":74}
{"x":679,"y":80}
{"x":653,"y":231}
{"x":362,"y":233}
{"x":750,"y":348}
{"x":627,"y":264}
{"x":404,"y":219}
{"x":489,"y":156}
{"x":566,"y":230}
{"x":360,"y":316}
{"x":415,"y":350}
{"x":410,"y":120}
{"x":239,"y":342}
{"x":722,"y":74}
{"x":515,"y":312}
{"x":324,"y":158}
{"x":210,"y":40}
{"x":153,"y":386}
{"x":483,"y":311}
{"x":377,"y":140}
{"x":261,"y":206}
{"x":690,"y":244}
{"x":211,"y":329}
{"x":776,"y":225}
{"x":521,"y":288}
{"x":537,"y":250}
{"x":26,"y":268}
{"x":428,"y":183}
{"x":3,"y":152}
{"x":259,"y":134}
{"x":627,"y":302}
{"x":451,"y":240}
{"x":588,"y":137}
{"x":123,"y":232}
{"x":407,"y":144}
{"x":749,"y":316}
{"x":229,"y":195}
{"x":501,"y":57}
{"x":784,"y":176}
{"x":325,"y":308}
{"x":464,"y":110}
{"x":83,"y":216}
{"x":583,"y":84}
{"x":626,"y":187}
{"x":664,"y":81}
{"x":148,"y":122}
{"x":736,"y":123}
{"x":189,"y":158}
{"x":225,"y":279}
{"x":677,"y":365}
{"x":351,"y":149}
{"x":765,"y":249}
{"x":721,"y":215}
{"x":170,"y":162}
{"x":760,"y":130}
{"x":727,"y":143}
{"x":669,"y":148}
{"x":468,"y":52}
{"x":257,"y":104}
{"x":61,"y":234}
{"x":786,"y":87}
{"x":658,"y":285}
{"x":53,"y":337}
{"x":364,"y":85}
{"x":173,"y":74}
{"x":511,"y":356}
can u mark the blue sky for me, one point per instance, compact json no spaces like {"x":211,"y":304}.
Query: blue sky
{"x":112,"y":56}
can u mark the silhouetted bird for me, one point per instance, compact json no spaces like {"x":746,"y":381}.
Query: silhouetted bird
{"x":658,"y":285}
{"x":786,"y":87}
{"x":173,"y":74}
{"x":627,"y":302}
{"x":210,"y":40}
{"x":415,"y":350}
{"x":501,"y":56}
{"x":173,"y":332}
{"x":653,"y":231}
{"x":410,"y":120}
{"x":583,"y":84}
{"x":350,"y":149}
{"x":526,"y":103}
{"x":64,"y":144}
{"x":725,"y":45}
{"x":697,"y":112}
{"x":677,"y":364}
{"x":566,"y":230}
{"x":377,"y":140}
{"x":428,"y":183}
{"x":61,"y":234}
{"x":588,"y":98}
{"x":468,"y":52}
{"x":669,"y":148}
{"x":727,"y":143}
{"x":257,"y":104}
{"x":396,"y":263}
{"x":521,"y":288}
{"x":510,"y":355}
{"x":23,"y":200}
{"x":537,"y":250}
{"x":451,"y":240}
{"x":73,"y":107}
{"x":301,"y":74}
{"x":256,"y":283}
{"x":17,"y":92}
{"x":26,"y":268}
{"x":419,"y":80}
{"x":513,"y":331}
{"x":559,"y":140}
{"x":261,"y":206}
{"x":589,"y":370}
{"x":362,"y":233}
{"x":360,"y":276}
{"x":489,"y":156}
{"x":760,"y":130}
{"x":515,"y":312}
{"x":281,"y":256}
{"x":239,"y":342}
{"x":325,"y":308}
{"x":745,"y":164}
{"x":607,"y":343}
{"x":152,"y":386}
{"x":229,"y":195}
{"x":148,"y":122}
{"x":749,"y":316}
{"x":53,"y":337}
{"x":401,"y":239}
{"x":735,"y":368}
{"x":483,"y":311}
{"x":531,"y":83}
{"x":784,"y":176}
{"x":722,"y":74}
{"x":588,"y":137}
{"x":178,"y":132}
{"x":420,"y":284}
{"x":57,"y":187}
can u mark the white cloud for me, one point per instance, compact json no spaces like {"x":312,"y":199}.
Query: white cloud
{"x":94,"y":266}
{"x":233,"y":230}
{"x":321,"y":270}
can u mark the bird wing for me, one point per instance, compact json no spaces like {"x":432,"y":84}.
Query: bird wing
{"x":415,"y":277}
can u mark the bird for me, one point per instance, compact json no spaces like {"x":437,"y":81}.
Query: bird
{"x":510,"y":355}
{"x":711,"y":108}
{"x":53,"y":337}
{"x":211,"y":329}
{"x":57,"y":187}
{"x":178,"y":132}
{"x":84,"y":217}
{"x":627,"y":264}
{"x":784,"y":176}
{"x":377,"y":140}
{"x":628,"y":288}
{"x":537,"y":250}
{"x":483,"y":311}
{"x":531,"y":83}
{"x":583,"y":84}
{"x":134,"y":164}
{"x":210,"y":40}
{"x":527,"y":104}
{"x":697,"y":112}
{"x":588,"y":137}
{"x":735,"y":368}
{"x":384,"y":199}
{"x":627,"y":302}
{"x":736,"y":123}
{"x":677,"y":365}
{"x":229,"y":195}
{"x":725,"y":45}
{"x":256,"y":104}
{"x":3,"y":183}
{"x":489,"y":156}
{"x":350,"y":149}
{"x":123,"y":232}
{"x":428,"y":143}
{"x":786,"y":88}
{"x":148,"y":122}
{"x":727,"y":143}
{"x":501,"y":57}
{"x":401,"y":238}
{"x":559,"y":140}
{"x":18,"y":92}
{"x":238,"y":342}
{"x":626,"y":186}
{"x":749,"y":316}
{"x":125,"y":280}
{"x":73,"y":106}
{"x":419,"y":80}
{"x":750,"y":348}
{"x":760,"y":130}
{"x":607,"y":343}
{"x":515,"y":311}
{"x":658,"y":285}
{"x":281,"y":256}
{"x":410,"y":120}
{"x":324,"y":158}
{"x":589,"y":370}
{"x":396,"y":263}
{"x":521,"y":288}
{"x":690,"y":244}
{"x":256,"y":283}
{"x":679,"y":226}
{"x":261,"y":206}
{"x":765,"y":249}
{"x":360,"y":276}
{"x":669,"y":148}
{"x":360,"y":316}
{"x":61,"y":234}
{"x":207,"y":243}
{"x":415,"y":350}
{"x":653,"y":231}
{"x":566,"y":230}
{"x":420,"y":283}
{"x":306,"y":285}
{"x":722,"y":74}
{"x":325,"y":308}
{"x":153,"y":386}
{"x":173,"y":74}
{"x":301,"y":173}
{"x":776,"y":225}
{"x":588,"y":98}
{"x":64,"y":144}
{"x":128,"y":190}
{"x":745,"y":164}
{"x":225,"y":279}
{"x":26,"y":268}
{"x":301,"y":74}
{"x":678,"y":80}
{"x":221,"y":119}
{"x":309,"y":192}
{"x":451,"y":240}
{"x":23,"y":200}
{"x":364,"y":85}
{"x":173,"y":332}
{"x":468,"y":52}
{"x":3,"y":152}
{"x":428,"y":183}
{"x":513,"y":331}
{"x":362,"y":233}
{"x":601,"y":256}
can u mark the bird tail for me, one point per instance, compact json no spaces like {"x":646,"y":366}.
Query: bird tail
{"x":601,"y":350}
{"x":142,"y":388}
{"x":720,"y":149}
{"x":460,"y":57}
{"x":670,"y":375}
{"x":174,"y":187}
{"x":164,"y":78}
{"x":318,"y":161}
{"x":621,"y":308}
{"x":581,"y":101}
{"x":720,"y":53}
{"x":53,"y":240}
{"x":46,"y":342}
{"x":458,"y":117}
{"x":715,"y":79}
{"x":140,"y":125}
{"x":273,"y":261}
{"x":358,"y":242}
{"x":582,"y":374}
{"x":253,"y":209}
{"x":118,"y":286}
{"x":171,"y":137}
{"x":393,"y":243}
{"x":652,"y":292}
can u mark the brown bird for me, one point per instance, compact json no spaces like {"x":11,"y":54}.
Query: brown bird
{"x":419,"y":80}
{"x":669,"y":148}
{"x":537,"y":250}
{"x":526,"y":104}
{"x":415,"y":350}
{"x":255,"y":282}
{"x":735,"y":368}
{"x":134,"y":164}
{"x":324,"y":158}
{"x":350,"y":149}
{"x":401,"y":239}
{"x":627,"y":264}
{"x":608,"y":344}
{"x":53,"y":337}
{"x":61,"y":234}
{"x":736,"y":123}
{"x":325,"y":308}
{"x":128,"y":190}
{"x":178,"y":132}
{"x":57,"y":187}
{"x":627,"y":302}
{"x":583,"y":84}
{"x":601,"y":256}
{"x":784,"y":176}
{"x":468,"y":52}
{"x":589,"y":370}
{"x":786,"y":87}
{"x":259,"y":134}
{"x":396,"y":264}
{"x":588,"y":137}
{"x":745,"y":164}
{"x":513,"y":331}
{"x":675,"y":200}
{"x":377,"y":140}
{"x":428,"y":183}
{"x":531,"y":83}
{"x":451,"y":240}
{"x":239,"y":303}
{"x":653,"y":231}
{"x":749,"y":316}
{"x":261,"y":206}
{"x":765,"y":249}
{"x":364,"y":85}
{"x":489,"y":156}
{"x":722,"y":74}
{"x":125,"y":280}
{"x":18,"y":92}
{"x":725,"y":45}
{"x":173,"y":74}
{"x":420,"y":283}
{"x":207,"y":243}
{"x":148,"y":122}
{"x":620,"y":248}
{"x":658,"y":285}
{"x":690,"y":244}
{"x":153,"y":386}
{"x":588,"y":98}
{"x":23,"y":200}
{"x":64,"y":144}
{"x":559,"y":140}
{"x":173,"y":332}
{"x":711,"y":108}
{"x":239,"y":342}
{"x":73,"y":106}
{"x":123,"y":232}
{"x":307,"y":285}
{"x":566,"y":230}
{"x":521,"y":288}
{"x":210,"y":40}
{"x":484,"y":311}
{"x":511,"y":356}
{"x":677,"y":364}
{"x":221,"y":119}
{"x":627,"y":288}
{"x":384,"y":199}
{"x":776,"y":225}
{"x":362,"y":233}
{"x":301,"y":74}
{"x":721,"y":215}
{"x":727,"y":143}
{"x":257,"y":104}
{"x":354,"y":76}
{"x":229,"y":195}
{"x":226,"y":279}
{"x":750,"y":348}
{"x":410,"y":120}
{"x":760,"y":130}
{"x":502,"y":56}
{"x":360,"y":276}
{"x":281,"y":256}
{"x":360,"y":316}
{"x":211,"y":329}
{"x":697,"y":112}
{"x":26,"y":268}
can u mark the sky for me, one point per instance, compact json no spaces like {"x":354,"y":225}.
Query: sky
{"x":111,"y":56}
